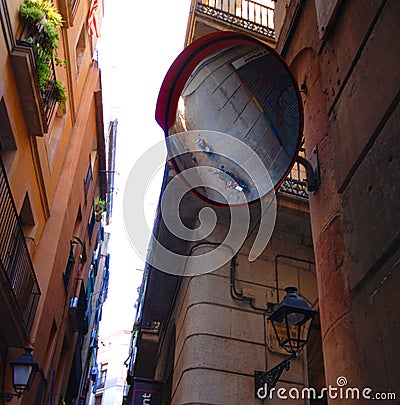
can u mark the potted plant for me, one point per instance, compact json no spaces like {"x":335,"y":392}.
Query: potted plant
{"x":99,"y":207}
{"x":40,"y":11}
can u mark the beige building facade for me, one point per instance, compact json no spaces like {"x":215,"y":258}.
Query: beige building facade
{"x":203,"y":337}
{"x":109,"y":385}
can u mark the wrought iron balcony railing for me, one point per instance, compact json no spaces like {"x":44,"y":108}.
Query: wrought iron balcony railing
{"x":295,"y":183}
{"x":151,"y":327}
{"x":15,"y":261}
{"x":250,"y":15}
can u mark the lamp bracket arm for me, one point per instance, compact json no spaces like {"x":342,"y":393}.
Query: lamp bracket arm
{"x":7,"y":396}
{"x":266,"y":380}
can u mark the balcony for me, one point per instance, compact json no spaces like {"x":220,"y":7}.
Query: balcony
{"x":34,"y":58}
{"x":295,"y":183}
{"x":78,"y":309}
{"x":253,"y":16}
{"x":150,"y":331}
{"x":101,"y":380}
{"x":19,"y":293}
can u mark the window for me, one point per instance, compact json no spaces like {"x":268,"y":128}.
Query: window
{"x":88,"y":179}
{"x":7,"y":141}
{"x":98,"y":399}
{"x":6,"y":135}
{"x":91,"y":224}
{"x":27,"y":221}
{"x":26,"y":214}
{"x":80,"y":50}
{"x":69,"y":267}
{"x":101,"y":380}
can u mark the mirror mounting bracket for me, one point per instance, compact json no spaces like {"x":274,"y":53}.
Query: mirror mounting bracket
{"x":312,"y":170}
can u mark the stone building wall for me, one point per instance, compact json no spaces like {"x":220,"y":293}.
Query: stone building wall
{"x":220,"y":341}
{"x":347,"y":60}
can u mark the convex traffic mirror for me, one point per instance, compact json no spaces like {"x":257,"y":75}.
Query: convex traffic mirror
{"x":230,"y":109}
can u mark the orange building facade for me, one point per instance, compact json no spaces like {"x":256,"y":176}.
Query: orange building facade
{"x":54,"y":191}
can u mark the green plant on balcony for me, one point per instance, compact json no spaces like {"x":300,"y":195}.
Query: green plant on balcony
{"x":43,"y":21}
{"x":136,"y":328}
{"x":34,"y":11}
{"x":59,"y":93}
{"x":100,"y":208}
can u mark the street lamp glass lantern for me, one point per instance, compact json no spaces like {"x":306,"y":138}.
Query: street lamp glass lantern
{"x":24,"y":370}
{"x":292,"y":322}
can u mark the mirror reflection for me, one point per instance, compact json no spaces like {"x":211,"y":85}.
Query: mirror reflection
{"x":247,"y":93}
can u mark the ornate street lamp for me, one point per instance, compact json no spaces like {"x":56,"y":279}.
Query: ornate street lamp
{"x":292,"y":322}
{"x":24,"y":369}
{"x":295,"y":316}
